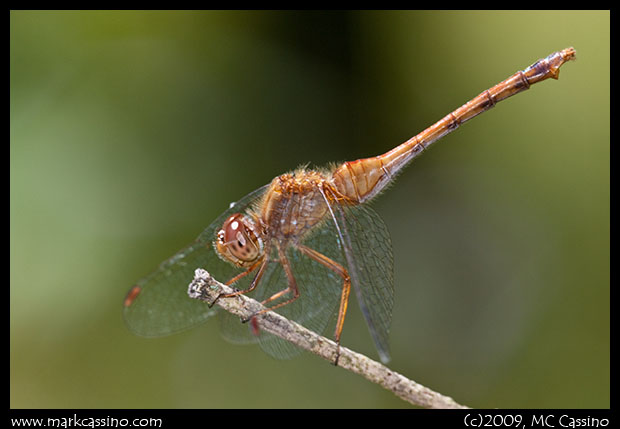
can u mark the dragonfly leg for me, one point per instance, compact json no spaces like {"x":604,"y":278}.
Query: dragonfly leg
{"x":292,"y":287}
{"x":346,"y":288}
{"x":261,"y":263}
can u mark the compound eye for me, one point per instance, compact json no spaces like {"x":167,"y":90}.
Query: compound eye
{"x":238,"y":242}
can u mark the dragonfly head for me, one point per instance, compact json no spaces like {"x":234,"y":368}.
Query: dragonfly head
{"x":240,"y":241}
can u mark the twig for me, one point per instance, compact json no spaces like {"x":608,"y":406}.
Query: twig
{"x":206,"y":288}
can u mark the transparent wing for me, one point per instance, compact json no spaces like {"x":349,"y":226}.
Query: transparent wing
{"x":319,"y":293}
{"x":159,"y":305}
{"x":368,"y":252}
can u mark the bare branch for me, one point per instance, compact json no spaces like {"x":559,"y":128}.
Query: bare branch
{"x":206,"y":288}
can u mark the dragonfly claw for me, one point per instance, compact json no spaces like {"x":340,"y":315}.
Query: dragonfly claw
{"x":211,"y":304}
{"x":337,"y":355}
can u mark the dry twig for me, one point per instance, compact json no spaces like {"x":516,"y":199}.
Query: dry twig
{"x":206,"y":288}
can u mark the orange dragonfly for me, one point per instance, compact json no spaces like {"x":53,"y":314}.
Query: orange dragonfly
{"x":303,"y":241}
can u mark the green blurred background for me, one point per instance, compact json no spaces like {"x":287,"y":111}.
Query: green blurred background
{"x":131,"y":131}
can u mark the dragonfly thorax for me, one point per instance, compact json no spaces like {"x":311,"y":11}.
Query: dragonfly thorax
{"x":240,"y":241}
{"x":293,"y":204}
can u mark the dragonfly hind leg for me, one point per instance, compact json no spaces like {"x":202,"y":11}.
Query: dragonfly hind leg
{"x":346,"y":288}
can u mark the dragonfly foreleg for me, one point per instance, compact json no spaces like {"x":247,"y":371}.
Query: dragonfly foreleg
{"x":262,"y":263}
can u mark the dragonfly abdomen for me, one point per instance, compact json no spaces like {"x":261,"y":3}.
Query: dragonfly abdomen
{"x":358,"y":181}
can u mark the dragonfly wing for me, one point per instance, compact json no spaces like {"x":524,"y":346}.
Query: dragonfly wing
{"x":367,"y":249}
{"x":158,"y":304}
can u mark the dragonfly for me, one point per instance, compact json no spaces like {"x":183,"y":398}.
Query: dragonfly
{"x":302,"y":242}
